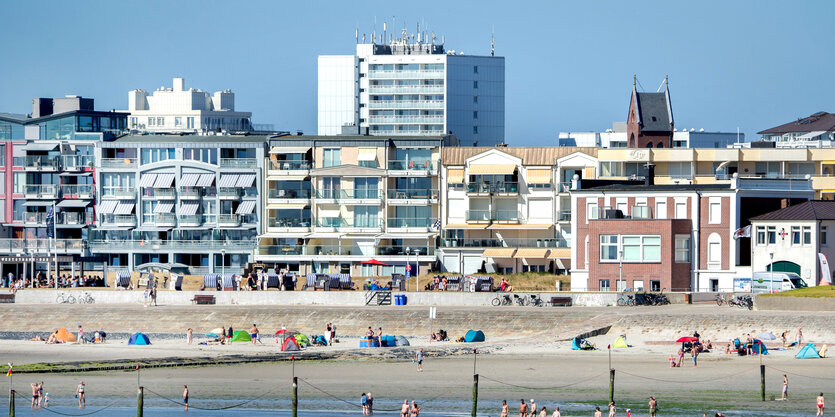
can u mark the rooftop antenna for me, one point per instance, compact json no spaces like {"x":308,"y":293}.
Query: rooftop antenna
{"x":357,"y":33}
{"x":374,"y":32}
{"x":493,"y":40}
{"x":634,"y":80}
{"x":418,"y":33}
{"x":384,"y":32}
{"x":434,"y":38}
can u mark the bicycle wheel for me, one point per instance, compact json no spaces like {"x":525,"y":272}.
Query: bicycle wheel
{"x":630,"y":301}
{"x":720,"y":301}
{"x":90,"y":299}
{"x":621,"y":302}
{"x":496,"y":302}
{"x":70,"y":299}
{"x":60,"y":299}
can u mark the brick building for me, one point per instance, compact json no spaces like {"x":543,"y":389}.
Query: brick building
{"x":650,"y":123}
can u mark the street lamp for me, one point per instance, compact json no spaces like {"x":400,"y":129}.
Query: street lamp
{"x":417,"y":269}
{"x":222,"y":263}
{"x":771,"y":277}
{"x":620,"y":268}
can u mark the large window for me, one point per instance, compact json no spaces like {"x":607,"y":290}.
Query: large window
{"x":608,"y":247}
{"x":366,"y":187}
{"x":112,"y":182}
{"x":207,"y":155}
{"x":151,"y":155}
{"x":366,"y":216}
{"x":679,"y":170}
{"x":715,"y":214}
{"x":333,"y":157}
{"x":682,"y":248}
{"x":714,"y":251}
{"x":770,"y":169}
{"x":634,"y":248}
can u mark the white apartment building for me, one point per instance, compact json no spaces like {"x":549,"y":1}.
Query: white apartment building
{"x":815,"y":131}
{"x":411,"y":86}
{"x":181,"y":110}
{"x":616,"y":138}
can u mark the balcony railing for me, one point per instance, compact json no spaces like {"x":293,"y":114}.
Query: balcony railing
{"x":238,"y":162}
{"x":119,"y":192}
{"x":405,"y":89}
{"x":242,"y":246}
{"x":410,"y":222}
{"x":40,"y":246}
{"x":402,"y":75}
{"x":330,"y":250}
{"x":118,"y":219}
{"x":192,"y":220}
{"x":290,"y":194}
{"x":413,"y":165}
{"x":118,"y":162}
{"x":289,"y":165}
{"x":289,"y":223}
{"x":349,"y":194}
{"x":77,"y":162}
{"x":161,"y":219}
{"x":564,"y":216}
{"x":422,"y":132}
{"x":495,"y":215}
{"x":478,"y":215}
{"x":77,"y":191}
{"x":74,"y":218}
{"x":41,"y":191}
{"x":487,"y":188}
{"x":41,"y":162}
{"x":412,"y":194}
{"x":34,"y":218}
{"x":229,"y":192}
{"x":280,"y":250}
{"x":191,"y":192}
{"x":406,"y":104}
{"x":160,"y":193}
{"x":406,"y":119}
{"x":331,"y":222}
{"x":506,"y":243}
{"x":228,"y":220}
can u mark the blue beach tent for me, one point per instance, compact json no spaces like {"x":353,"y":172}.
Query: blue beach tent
{"x":474,"y":336}
{"x":808,"y":352}
{"x":139,"y":339}
{"x":758,"y":347}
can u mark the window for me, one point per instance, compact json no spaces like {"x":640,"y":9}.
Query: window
{"x":133,"y":122}
{"x":770,"y":169}
{"x":366,"y":187}
{"x":715,"y":213}
{"x":366,"y":216}
{"x":2,"y":155}
{"x":771,"y":233}
{"x":682,"y":248}
{"x":206,"y":155}
{"x":160,"y":121}
{"x":714,"y":251}
{"x":638,"y":285}
{"x":660,"y":209}
{"x":807,"y":235}
{"x":475,"y":114}
{"x":604,"y":285}
{"x":332,"y":157}
{"x":622,"y":206}
{"x":189,"y":123}
{"x":591,"y":212}
{"x":633,"y":248}
{"x":681,"y":209}
{"x":475,"y":99}
{"x":475,"y":69}
{"x":655,"y":285}
{"x":475,"y":84}
{"x":19,"y":182}
{"x":152,"y":121}
{"x":178,"y":121}
{"x":608,"y":247}
{"x":475,"y":129}
{"x":761,"y":235}
{"x":795,"y":235}
{"x":823,"y":237}
{"x":679,"y":169}
{"x":151,"y":155}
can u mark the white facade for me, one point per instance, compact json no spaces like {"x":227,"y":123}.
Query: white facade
{"x":616,"y":138}
{"x":792,"y":243}
{"x":181,"y":110}
{"x":413,"y":89}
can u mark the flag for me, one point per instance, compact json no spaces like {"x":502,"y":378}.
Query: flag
{"x":743,"y":232}
{"x":50,"y":223}
{"x":10,"y":372}
{"x":437,"y":224}
{"x":826,"y":273}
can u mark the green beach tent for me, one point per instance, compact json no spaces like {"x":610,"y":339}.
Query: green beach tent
{"x":302,"y":340}
{"x":620,"y":343}
{"x":808,"y":352}
{"x":241,"y":336}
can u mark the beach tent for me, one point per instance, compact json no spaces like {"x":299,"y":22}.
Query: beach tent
{"x":290,"y":345}
{"x":139,"y":339}
{"x":808,"y":352}
{"x":63,"y":335}
{"x":241,"y":336}
{"x":581,"y":344}
{"x":474,"y":336}
{"x":758,"y":347}
{"x":388,"y":341}
{"x":401,"y":341}
{"x":302,"y":340}
{"x":620,"y":343}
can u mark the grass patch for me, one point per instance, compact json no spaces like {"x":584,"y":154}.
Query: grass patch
{"x":822,"y":291}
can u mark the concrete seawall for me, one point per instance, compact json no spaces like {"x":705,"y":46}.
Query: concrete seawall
{"x":794,"y":303}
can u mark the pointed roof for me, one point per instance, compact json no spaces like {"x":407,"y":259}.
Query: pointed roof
{"x":654,"y":110}
{"x":808,"y":210}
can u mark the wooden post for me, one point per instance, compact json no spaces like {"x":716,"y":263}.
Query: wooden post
{"x":611,"y":385}
{"x":11,"y":403}
{"x":762,"y":381}
{"x":475,"y":394}
{"x":295,"y":411}
{"x":140,"y":400}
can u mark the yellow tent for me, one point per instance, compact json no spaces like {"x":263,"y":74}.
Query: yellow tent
{"x":620,"y":343}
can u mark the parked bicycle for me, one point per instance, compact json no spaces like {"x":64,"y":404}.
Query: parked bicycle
{"x":502,"y":300}
{"x":65,"y":299}
{"x":742,"y":301}
{"x":86,"y":298}
{"x":626,"y":300}
{"x":536,"y":301}
{"x":720,"y":299}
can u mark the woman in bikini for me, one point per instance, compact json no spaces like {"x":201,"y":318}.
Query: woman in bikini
{"x":415,"y":410}
{"x":505,"y":408}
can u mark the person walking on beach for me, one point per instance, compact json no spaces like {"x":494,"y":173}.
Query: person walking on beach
{"x":785,"y":395}
{"x":597,"y":412}
{"x":419,"y":360}
{"x":653,"y":406}
{"x":612,"y":409}
{"x":556,"y":413}
{"x":523,"y":408}
{"x":505,"y":408}
{"x":229,"y":335}
{"x":820,"y":405}
{"x":185,"y":396}
{"x":79,"y":393}
{"x":369,"y":402}
{"x":34,"y":394}
{"x":694,"y":352}
{"x":364,"y":403}
{"x":404,"y":409}
{"x":329,"y":329}
{"x":798,"y":336}
{"x":532,"y":413}
{"x":80,"y":335}
{"x":188,"y":336}
{"x":253,"y":333}
{"x":415,"y":410}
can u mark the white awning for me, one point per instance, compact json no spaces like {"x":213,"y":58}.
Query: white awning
{"x":189,"y":208}
{"x":227,"y":181}
{"x":367,"y":154}
{"x":245,"y":180}
{"x":189,"y":180}
{"x":36,"y":203}
{"x":811,"y":135}
{"x":147,"y":180}
{"x":107,"y":206}
{"x":74,"y":203}
{"x":289,"y":149}
{"x":164,"y":181}
{"x":164,"y":207}
{"x":124,"y":207}
{"x":35,"y":146}
{"x":246,"y":207}
{"x":152,"y":228}
{"x":206,"y":180}
{"x":75,"y":174}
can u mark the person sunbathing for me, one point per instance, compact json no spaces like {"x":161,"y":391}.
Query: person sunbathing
{"x":37,"y":338}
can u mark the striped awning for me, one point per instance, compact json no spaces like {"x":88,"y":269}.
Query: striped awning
{"x":164,"y":207}
{"x":539,"y":176}
{"x":455,"y":176}
{"x":189,"y":208}
{"x":228,"y":181}
{"x":164,"y":181}
{"x":246,"y":207}
{"x":529,"y":226}
{"x":245,"y":180}
{"x":560,"y":253}
{"x":466,"y":226}
{"x":147,"y":180}
{"x":108,"y":206}
{"x":124,"y":207}
{"x":206,"y":180}
{"x":189,"y":180}
{"x":488,"y":169}
{"x":538,"y":253}
{"x":498,"y":252}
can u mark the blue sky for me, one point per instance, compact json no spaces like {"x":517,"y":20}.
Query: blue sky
{"x":569,"y":65}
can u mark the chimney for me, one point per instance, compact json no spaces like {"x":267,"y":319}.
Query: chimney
{"x":649,"y":178}
{"x":179,"y":84}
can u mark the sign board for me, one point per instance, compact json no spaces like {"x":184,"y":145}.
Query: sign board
{"x":742,"y":284}
{"x":432,"y":312}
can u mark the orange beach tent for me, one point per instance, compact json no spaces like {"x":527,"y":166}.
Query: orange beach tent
{"x":63,"y":335}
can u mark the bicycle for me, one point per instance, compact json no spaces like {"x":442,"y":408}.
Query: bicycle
{"x":86,"y":298}
{"x":521,"y":300}
{"x":536,"y":301}
{"x":720,"y":299}
{"x":626,"y":300}
{"x":502,"y":300}
{"x":65,"y":299}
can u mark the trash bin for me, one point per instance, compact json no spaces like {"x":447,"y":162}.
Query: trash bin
{"x":403,"y":300}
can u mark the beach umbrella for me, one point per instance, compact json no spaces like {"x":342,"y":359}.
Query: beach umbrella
{"x":687,"y":339}
{"x":287,"y":332}
{"x":766,"y":336}
{"x":373,"y":262}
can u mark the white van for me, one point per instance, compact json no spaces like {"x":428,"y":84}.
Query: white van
{"x":768,"y":282}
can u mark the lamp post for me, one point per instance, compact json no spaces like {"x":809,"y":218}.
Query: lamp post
{"x":408,"y":270}
{"x":417,"y":269}
{"x":620,"y":268}
{"x":771,"y":268}
{"x":222,"y":263}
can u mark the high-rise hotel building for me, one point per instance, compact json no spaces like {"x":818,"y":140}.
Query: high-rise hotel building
{"x":412,"y":86}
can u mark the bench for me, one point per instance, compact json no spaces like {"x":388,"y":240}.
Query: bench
{"x":203,"y":299}
{"x":6,"y":298}
{"x":560,"y":301}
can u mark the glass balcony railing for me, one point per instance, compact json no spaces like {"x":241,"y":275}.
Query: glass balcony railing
{"x":290,"y":194}
{"x":331,"y":222}
{"x":331,"y":250}
{"x":564,"y":216}
{"x":161,"y":219}
{"x":289,"y":223}
{"x":160,"y":193}
{"x":229,"y":192}
{"x":370,"y":194}
{"x":118,"y":162}
{"x":41,"y":162}
{"x":119,"y":192}
{"x":74,"y":218}
{"x":241,"y":246}
{"x":34,"y":218}
{"x":191,"y":192}
{"x":506,"y":243}
{"x":77,"y":191}
{"x":412,"y":165}
{"x":406,"y":119}
{"x":487,"y":188}
{"x":192,"y":220}
{"x":77,"y":162}
{"x":41,"y":191}
{"x":41,"y":246}
{"x":409,"y":222}
{"x":238,"y":162}
{"x":412,"y":194}
{"x":495,"y":215}
{"x":280,"y":250}
{"x":118,"y":219}
{"x":405,"y":75}
{"x":478,"y":215}
{"x":290,"y":165}
{"x":228,"y":220}
{"x":421,"y":132}
{"x":406,"y":104}
{"x":406,"y":89}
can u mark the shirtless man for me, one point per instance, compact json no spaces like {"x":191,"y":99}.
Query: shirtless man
{"x":35,"y":394}
{"x":254,"y":335}
{"x":612,"y":409}
{"x":185,"y":396}
{"x":653,"y":405}
{"x":505,"y":408}
{"x":404,"y":409}
{"x":820,"y":403}
{"x":597,"y":412}
{"x":415,"y":409}
{"x":523,"y":408}
{"x":532,"y":413}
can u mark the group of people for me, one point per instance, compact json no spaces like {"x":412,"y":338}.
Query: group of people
{"x":438,"y":283}
{"x":440,"y":336}
{"x":42,"y":281}
{"x":531,"y":410}
{"x":407,"y":410}
{"x":367,"y":402}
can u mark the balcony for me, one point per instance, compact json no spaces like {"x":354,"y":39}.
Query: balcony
{"x":118,"y":162}
{"x":229,"y":193}
{"x":288,"y":167}
{"x":612,"y":213}
{"x":160,"y":193}
{"x":331,"y":223}
{"x":121,"y":220}
{"x":407,"y":104}
{"x":41,"y":163}
{"x":405,"y":75}
{"x":120,"y":193}
{"x":228,"y":220}
{"x":421,"y":132}
{"x":236,"y":246}
{"x":564,"y":216}
{"x":412,"y":167}
{"x":40,"y":246}
{"x":34,"y":218}
{"x":387,"y":120}
{"x":69,"y":218}
{"x":289,"y":196}
{"x":483,"y":188}
{"x":328,"y":196}
{"x":161,"y":219}
{"x":410,"y":223}
{"x":191,"y":193}
{"x":77,"y":162}
{"x":289,"y":224}
{"x":412,"y":197}
{"x":506,"y":243}
{"x":238,"y":162}
{"x":44,"y":191}
{"x":478,"y":216}
{"x":82,"y":191}
{"x":405,"y":89}
{"x":286,"y":250}
{"x":191,"y":220}
{"x":498,"y":216}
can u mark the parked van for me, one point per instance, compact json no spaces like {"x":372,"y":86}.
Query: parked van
{"x":767,"y":282}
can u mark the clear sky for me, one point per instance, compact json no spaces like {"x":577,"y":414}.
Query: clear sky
{"x":569,"y":65}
